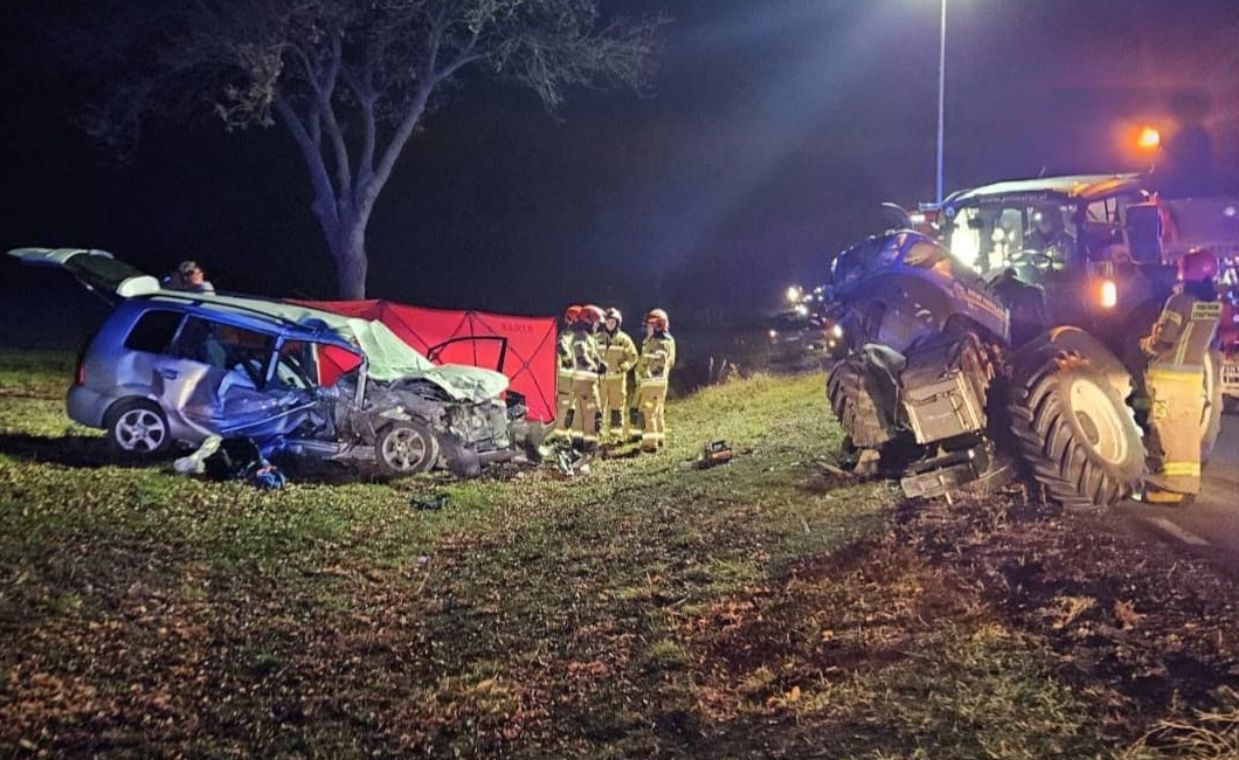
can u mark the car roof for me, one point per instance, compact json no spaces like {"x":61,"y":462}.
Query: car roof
{"x":246,"y":312}
{"x":1084,"y":187}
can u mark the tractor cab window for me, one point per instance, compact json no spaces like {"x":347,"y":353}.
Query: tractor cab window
{"x":986,"y":238}
{"x":1031,"y":236}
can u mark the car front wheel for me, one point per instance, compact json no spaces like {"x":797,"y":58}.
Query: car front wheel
{"x":138,"y":428}
{"x":406,"y":448}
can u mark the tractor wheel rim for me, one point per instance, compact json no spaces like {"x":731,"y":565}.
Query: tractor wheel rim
{"x":1097,"y":417}
{"x":404,"y":449}
{"x":140,"y":430}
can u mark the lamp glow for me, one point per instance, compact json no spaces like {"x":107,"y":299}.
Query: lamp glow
{"x":1150,"y":139}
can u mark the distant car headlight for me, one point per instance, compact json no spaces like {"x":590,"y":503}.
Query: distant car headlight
{"x":836,"y":331}
{"x":774,"y":334}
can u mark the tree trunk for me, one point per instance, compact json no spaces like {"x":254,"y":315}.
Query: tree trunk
{"x":350,"y":256}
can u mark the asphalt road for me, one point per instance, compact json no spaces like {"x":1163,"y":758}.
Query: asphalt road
{"x":1210,"y":526}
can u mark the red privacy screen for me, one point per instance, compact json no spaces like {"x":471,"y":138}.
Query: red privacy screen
{"x":523,"y":348}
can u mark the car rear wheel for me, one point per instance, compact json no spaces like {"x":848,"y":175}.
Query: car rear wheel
{"x":138,"y":428}
{"x":406,"y":448}
{"x":1077,"y":436}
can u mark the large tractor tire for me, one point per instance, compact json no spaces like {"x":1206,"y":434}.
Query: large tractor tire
{"x":1075,"y":433}
{"x":1211,"y":422}
{"x":853,"y":402}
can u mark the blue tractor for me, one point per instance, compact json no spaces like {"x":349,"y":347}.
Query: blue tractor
{"x":1007,"y":345}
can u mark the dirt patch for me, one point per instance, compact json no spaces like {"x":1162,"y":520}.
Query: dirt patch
{"x":1151,"y":631}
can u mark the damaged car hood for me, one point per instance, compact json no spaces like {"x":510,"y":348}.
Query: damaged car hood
{"x":469,"y":383}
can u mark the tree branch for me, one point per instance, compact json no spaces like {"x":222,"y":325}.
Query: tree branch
{"x":367,"y":98}
{"x":324,"y":193}
{"x":324,"y":93}
{"x":463,"y":58}
{"x":408,"y":122}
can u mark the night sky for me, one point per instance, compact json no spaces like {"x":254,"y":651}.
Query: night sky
{"x":771,"y":133}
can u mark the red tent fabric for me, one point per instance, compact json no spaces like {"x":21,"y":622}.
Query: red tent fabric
{"x":523,"y":348}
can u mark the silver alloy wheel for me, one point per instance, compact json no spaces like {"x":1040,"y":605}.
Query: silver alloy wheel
{"x":140,"y":430}
{"x":405,"y":449}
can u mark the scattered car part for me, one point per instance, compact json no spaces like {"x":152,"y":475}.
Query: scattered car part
{"x":430,"y":503}
{"x":714,"y":454}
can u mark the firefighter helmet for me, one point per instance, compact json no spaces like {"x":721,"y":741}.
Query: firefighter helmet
{"x":572,"y":314}
{"x":658,"y":318}
{"x":591,"y":315}
{"x":614,"y":313}
{"x":1198,"y":265}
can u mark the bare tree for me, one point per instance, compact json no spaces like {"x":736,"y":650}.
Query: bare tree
{"x":351,"y":80}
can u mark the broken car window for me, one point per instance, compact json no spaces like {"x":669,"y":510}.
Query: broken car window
{"x":295,"y":366}
{"x":224,"y":346}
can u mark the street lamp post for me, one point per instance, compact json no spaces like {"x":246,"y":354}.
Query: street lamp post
{"x":941,"y":100}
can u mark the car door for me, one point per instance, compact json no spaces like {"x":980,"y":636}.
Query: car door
{"x":290,"y":403}
{"x":155,"y":361}
{"x":215,"y":372}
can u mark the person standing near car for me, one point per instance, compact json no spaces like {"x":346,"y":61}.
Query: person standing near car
{"x":1177,"y":348}
{"x":653,"y":372}
{"x":564,"y":376}
{"x":588,"y":368}
{"x":620,"y":354}
{"x":190,"y":278}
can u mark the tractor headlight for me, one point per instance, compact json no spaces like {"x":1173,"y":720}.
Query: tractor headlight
{"x":1109,"y":295}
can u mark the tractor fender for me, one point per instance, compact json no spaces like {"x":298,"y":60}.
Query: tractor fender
{"x":901,"y":306}
{"x":1072,"y":341}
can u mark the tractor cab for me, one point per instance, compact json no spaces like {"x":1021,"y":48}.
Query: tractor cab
{"x":1084,"y":241}
{"x":1041,"y":226}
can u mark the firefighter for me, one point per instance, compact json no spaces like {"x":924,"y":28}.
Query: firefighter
{"x":563,"y":361}
{"x":1175,"y":382}
{"x":587,"y":369}
{"x":653,"y":371}
{"x":620,"y":355}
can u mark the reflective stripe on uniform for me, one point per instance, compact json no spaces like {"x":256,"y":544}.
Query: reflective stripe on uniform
{"x":653,"y":382}
{"x":1185,"y":341}
{"x":1181,"y":469}
{"x":1206,"y":310}
{"x":1175,"y":373}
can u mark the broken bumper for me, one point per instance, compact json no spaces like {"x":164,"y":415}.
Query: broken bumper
{"x":976,"y":471}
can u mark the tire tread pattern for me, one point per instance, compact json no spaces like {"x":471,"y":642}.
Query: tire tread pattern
{"x":1055,"y":457}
